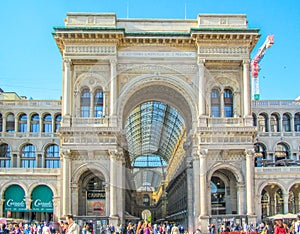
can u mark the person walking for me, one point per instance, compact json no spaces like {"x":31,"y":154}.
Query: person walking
{"x":279,"y":227}
{"x":73,"y":227}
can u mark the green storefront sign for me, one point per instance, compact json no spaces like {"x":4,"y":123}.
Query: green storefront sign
{"x":14,"y":199}
{"x":42,"y":197}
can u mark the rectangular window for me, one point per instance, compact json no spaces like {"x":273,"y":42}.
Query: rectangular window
{"x":85,"y":111}
{"x":228,"y":111}
{"x":27,"y":163}
{"x":215,"y":111}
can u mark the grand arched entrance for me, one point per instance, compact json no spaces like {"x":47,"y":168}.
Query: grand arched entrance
{"x":156,"y":120}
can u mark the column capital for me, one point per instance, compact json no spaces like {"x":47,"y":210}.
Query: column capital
{"x":28,"y":201}
{"x":203,"y":153}
{"x":249,"y":152}
{"x":113,"y":61}
{"x":67,"y":61}
{"x":246,"y":61}
{"x":66,"y":153}
{"x":115,"y":154}
{"x":200,"y":61}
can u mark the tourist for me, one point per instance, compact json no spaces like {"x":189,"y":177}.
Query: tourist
{"x":73,"y":227}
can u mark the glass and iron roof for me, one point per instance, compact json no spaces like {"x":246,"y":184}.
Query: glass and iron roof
{"x":153,"y":130}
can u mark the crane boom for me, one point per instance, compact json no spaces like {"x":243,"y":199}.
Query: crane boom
{"x":255,"y":64}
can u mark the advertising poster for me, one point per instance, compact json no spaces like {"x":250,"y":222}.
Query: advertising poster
{"x":95,"y":201}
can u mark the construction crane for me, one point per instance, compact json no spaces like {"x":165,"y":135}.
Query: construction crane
{"x":255,"y":64}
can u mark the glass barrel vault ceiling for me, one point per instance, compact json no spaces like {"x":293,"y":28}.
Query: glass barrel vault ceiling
{"x":153,"y":130}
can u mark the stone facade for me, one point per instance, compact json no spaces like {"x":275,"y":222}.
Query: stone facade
{"x":201,"y":68}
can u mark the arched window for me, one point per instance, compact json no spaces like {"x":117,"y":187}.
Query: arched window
{"x":262,"y":121}
{"x":23,"y":123}
{"x":10,"y":123}
{"x":85,"y":103}
{"x":297,"y":122}
{"x":4,"y":155}
{"x":52,"y":156}
{"x":260,"y":155}
{"x":218,"y":198}
{"x":215,"y":103}
{"x":57,"y":122}
{"x":35,"y":123}
{"x":286,"y":122}
{"x":98,"y":103}
{"x":28,"y":156}
{"x":47,"y":123}
{"x":274,"y":123}
{"x":228,"y":103}
{"x":282,"y":154}
{"x":1,"y":124}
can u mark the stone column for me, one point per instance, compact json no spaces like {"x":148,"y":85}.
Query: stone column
{"x":292,"y":124}
{"x":28,"y":124}
{"x":2,"y":201}
{"x":241,"y":199}
{"x":120,"y":184}
{"x":201,"y":85}
{"x":113,"y":87}
{"x":285,"y":197}
{"x":56,"y":209}
{"x":222,"y":104}
{"x":113,"y":217}
{"x":17,"y":124}
{"x":246,"y":88}
{"x":258,"y":206}
{"x":190,"y":203}
{"x":4,"y":126}
{"x":66,"y":182}
{"x":66,"y":102}
{"x":249,"y":180}
{"x":107,"y":199}
{"x":196,"y":186}
{"x":203,"y":181}
{"x":92,"y":107}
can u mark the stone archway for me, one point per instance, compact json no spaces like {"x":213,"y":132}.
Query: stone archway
{"x":163,"y":90}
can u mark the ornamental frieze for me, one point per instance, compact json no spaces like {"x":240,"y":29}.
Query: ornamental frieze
{"x":174,"y":69}
{"x":224,"y":50}
{"x":94,"y":68}
{"x":91,"y":50}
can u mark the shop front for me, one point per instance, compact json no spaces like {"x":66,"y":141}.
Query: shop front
{"x":14,"y":202}
{"x":42,"y":203}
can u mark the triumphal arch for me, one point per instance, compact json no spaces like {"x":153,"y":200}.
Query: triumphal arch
{"x":156,"y":118}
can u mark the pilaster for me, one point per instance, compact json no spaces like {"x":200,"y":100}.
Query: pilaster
{"x":66,"y":182}
{"x":203,"y":180}
{"x":249,"y":180}
{"x":2,"y":201}
{"x":246,"y":87}
{"x":66,"y":102}
{"x":201,"y":85}
{"x":113,"y":86}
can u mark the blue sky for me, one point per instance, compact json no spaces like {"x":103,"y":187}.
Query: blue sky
{"x":31,"y":63}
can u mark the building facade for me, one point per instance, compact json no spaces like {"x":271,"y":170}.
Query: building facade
{"x":156,"y":121}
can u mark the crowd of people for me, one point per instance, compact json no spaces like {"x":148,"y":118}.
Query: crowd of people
{"x":69,"y":226}
{"x":278,"y":226}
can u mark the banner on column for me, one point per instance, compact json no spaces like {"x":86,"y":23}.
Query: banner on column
{"x":95,"y":203}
